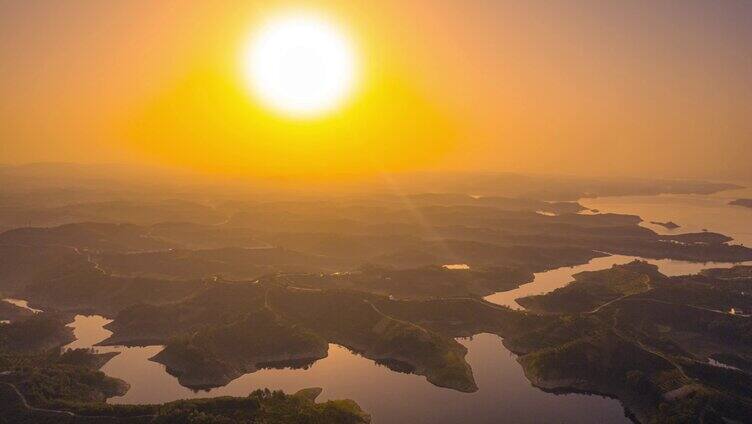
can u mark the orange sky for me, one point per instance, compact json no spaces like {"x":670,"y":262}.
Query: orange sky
{"x":626,"y":88}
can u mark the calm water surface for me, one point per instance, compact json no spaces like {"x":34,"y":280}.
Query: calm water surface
{"x":22,"y":304}
{"x":505,"y":394}
{"x":692,"y":212}
{"x":548,"y":281}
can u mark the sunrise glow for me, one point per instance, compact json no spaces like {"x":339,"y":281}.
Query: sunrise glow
{"x":300,"y":64}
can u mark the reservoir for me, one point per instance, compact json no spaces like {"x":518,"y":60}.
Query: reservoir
{"x":390,"y":397}
{"x":504,"y":394}
{"x":693,"y":212}
{"x":548,"y":281}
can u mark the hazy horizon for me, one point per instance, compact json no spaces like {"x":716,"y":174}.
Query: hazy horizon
{"x":163,"y":179}
{"x":643,"y":89}
{"x":288,"y":211}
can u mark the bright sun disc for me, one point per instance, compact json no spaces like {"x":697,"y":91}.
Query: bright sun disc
{"x":300,"y":65}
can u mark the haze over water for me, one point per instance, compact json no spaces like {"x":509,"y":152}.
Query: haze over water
{"x":250,"y":182}
{"x":503,"y":389}
{"x":694,"y":213}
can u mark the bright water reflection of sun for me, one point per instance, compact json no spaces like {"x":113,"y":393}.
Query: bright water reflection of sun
{"x":300,"y":64}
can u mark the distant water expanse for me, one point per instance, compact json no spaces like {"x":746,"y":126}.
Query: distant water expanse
{"x":693,"y":212}
{"x":504,"y":394}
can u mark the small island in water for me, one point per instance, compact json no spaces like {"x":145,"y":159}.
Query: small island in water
{"x":669,"y":225}
{"x":232,"y":289}
{"x":747,"y":203}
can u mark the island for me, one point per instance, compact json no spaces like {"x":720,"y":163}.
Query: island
{"x":663,"y":346}
{"x":277,"y":282}
{"x":669,"y":225}
{"x":265,"y":325}
{"x":41,"y":383}
{"x":747,"y":203}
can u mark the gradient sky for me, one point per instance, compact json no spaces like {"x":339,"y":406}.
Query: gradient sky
{"x":647,"y":88}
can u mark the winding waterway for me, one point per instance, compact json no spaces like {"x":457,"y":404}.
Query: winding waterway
{"x":548,"y":281}
{"x":390,"y":397}
{"x":693,"y":212}
{"x":22,"y":304}
{"x":504,"y":394}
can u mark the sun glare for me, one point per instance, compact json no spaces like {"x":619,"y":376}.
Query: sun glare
{"x":300,"y":64}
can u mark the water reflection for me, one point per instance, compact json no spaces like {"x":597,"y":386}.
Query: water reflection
{"x":22,"y":304}
{"x":548,"y":281}
{"x":693,"y":212}
{"x":504,"y":394}
{"x":390,"y":397}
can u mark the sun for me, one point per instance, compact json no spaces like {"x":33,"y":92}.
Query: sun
{"x":300,"y":64}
